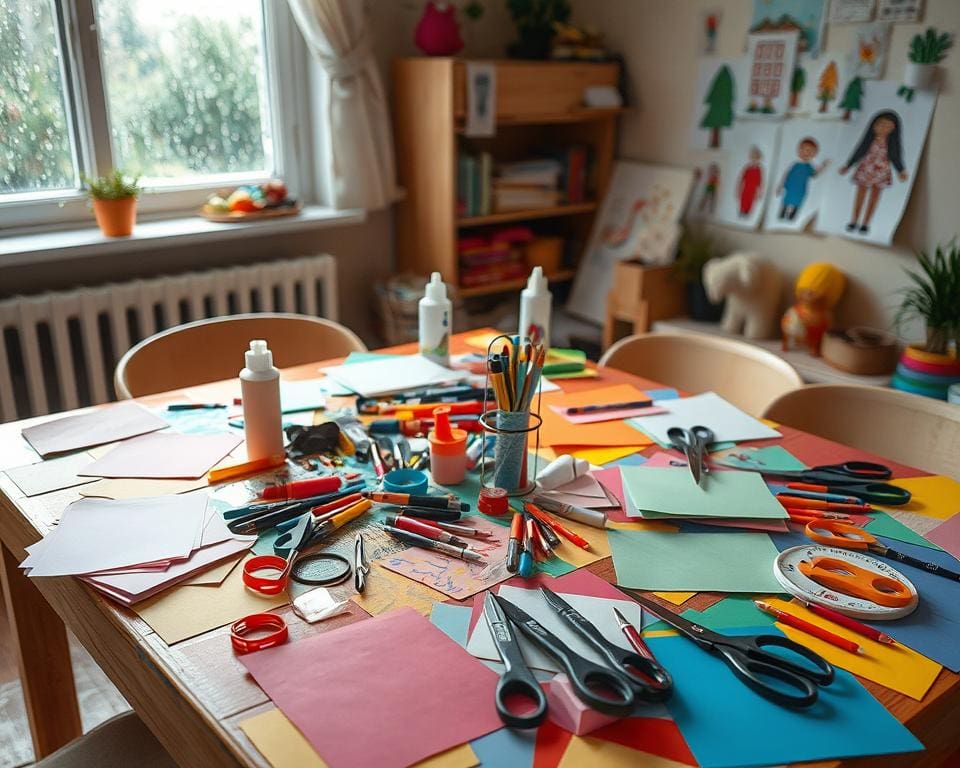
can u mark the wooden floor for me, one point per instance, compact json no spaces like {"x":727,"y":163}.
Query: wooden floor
{"x":99,"y":699}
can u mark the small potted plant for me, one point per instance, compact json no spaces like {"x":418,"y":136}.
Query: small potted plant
{"x":695,"y":249}
{"x":926,"y":51}
{"x":535,"y":21}
{"x":933,"y":297}
{"x":114,"y":199}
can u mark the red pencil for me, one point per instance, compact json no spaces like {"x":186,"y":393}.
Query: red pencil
{"x":845,"y":621}
{"x":811,"y":629}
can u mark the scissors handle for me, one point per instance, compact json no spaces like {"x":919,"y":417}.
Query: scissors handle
{"x":880,"y":493}
{"x":864,"y":470}
{"x":518,"y":682}
{"x":759,"y":668}
{"x":836,"y":533}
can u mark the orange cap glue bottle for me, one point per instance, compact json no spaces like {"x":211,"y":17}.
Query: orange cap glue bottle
{"x":448,"y":450}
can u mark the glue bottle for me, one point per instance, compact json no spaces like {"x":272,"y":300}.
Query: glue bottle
{"x":535,"y":304}
{"x":260,"y":388}
{"x":435,"y":310}
{"x":448,"y":449}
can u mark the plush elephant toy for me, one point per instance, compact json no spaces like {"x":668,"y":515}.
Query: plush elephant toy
{"x":751,"y":287}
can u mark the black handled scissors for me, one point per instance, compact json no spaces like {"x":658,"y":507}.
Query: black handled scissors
{"x":693,"y":442}
{"x":590,"y":681}
{"x":747,"y":656}
{"x":517,"y":679}
{"x":652,"y":681}
{"x":863,"y":479}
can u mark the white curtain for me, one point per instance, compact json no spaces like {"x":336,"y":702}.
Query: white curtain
{"x":361,"y":144}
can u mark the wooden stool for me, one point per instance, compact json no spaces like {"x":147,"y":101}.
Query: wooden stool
{"x":640,"y":296}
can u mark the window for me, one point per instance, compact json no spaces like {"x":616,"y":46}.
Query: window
{"x":187,"y":94}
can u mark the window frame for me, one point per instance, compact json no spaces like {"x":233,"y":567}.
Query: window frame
{"x":289,"y":115}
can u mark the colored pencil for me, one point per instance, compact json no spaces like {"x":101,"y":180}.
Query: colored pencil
{"x":845,"y":621}
{"x":798,"y":501}
{"x":811,"y":629}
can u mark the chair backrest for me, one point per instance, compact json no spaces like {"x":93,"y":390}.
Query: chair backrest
{"x":211,"y":350}
{"x":749,"y":377}
{"x":910,"y":429}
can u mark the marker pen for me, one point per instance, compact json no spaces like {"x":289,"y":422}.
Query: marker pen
{"x":424,"y":529}
{"x":515,"y":543}
{"x":302,"y":489}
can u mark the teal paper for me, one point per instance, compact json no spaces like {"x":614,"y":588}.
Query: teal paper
{"x":773,"y":458}
{"x":452,"y":620}
{"x":506,"y":748}
{"x":883,"y":524}
{"x":727,"y":725}
{"x":733,"y":611}
{"x":681,"y":562}
{"x":669,"y":492}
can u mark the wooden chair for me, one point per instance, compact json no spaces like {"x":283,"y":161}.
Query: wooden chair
{"x":749,"y":377}
{"x":913,"y":430}
{"x":211,"y":350}
{"x":120,"y":742}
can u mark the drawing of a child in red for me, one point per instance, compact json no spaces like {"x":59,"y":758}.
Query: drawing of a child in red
{"x":750,"y":183}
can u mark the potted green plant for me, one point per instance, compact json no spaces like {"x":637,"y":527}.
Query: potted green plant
{"x":694,"y":250}
{"x":933,"y":297}
{"x":114,"y":199}
{"x":535,"y":21}
{"x":926,"y":51}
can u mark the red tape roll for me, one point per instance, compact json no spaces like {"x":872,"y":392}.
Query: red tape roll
{"x":253,"y":623}
{"x":265,"y":585}
{"x":493,"y":501}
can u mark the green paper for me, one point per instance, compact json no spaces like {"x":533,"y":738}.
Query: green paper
{"x":672,"y":562}
{"x":668,"y":492}
{"x":883,"y":524}
{"x":733,"y":611}
{"x":773,"y":458}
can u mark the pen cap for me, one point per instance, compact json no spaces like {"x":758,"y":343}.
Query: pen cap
{"x":258,"y":357}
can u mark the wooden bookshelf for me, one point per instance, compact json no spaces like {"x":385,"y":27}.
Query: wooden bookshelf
{"x":561,"y":276}
{"x":539,"y":106}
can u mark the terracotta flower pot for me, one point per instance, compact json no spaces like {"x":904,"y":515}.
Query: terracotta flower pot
{"x":116,"y":217}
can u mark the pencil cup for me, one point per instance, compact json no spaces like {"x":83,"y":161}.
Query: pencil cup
{"x":511,"y":430}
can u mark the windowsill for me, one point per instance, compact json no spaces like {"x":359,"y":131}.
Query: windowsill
{"x":57,"y":245}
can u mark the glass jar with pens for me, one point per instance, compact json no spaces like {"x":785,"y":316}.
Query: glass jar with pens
{"x":514,"y":369}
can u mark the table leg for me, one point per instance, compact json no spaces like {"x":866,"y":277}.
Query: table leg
{"x":44,"y":656}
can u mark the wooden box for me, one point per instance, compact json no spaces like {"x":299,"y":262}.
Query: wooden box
{"x":640,"y":296}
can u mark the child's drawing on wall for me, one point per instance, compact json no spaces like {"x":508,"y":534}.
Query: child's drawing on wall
{"x":750,"y":184}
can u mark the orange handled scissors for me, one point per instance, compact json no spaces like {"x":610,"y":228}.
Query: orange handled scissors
{"x":835,"y":533}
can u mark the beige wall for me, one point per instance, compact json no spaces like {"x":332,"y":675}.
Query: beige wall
{"x":659,"y":39}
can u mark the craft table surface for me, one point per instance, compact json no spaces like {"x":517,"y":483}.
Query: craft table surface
{"x":194,"y":694}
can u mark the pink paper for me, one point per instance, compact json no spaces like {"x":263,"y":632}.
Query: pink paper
{"x":665,"y":459}
{"x":103,"y":425}
{"x":947,"y":535}
{"x":593,"y":418}
{"x":389,"y":691}
{"x":165,"y":455}
{"x":610,"y":478}
{"x":566,"y":710}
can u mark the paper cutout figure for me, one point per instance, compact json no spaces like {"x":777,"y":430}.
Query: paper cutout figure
{"x":719,"y":100}
{"x":795,"y":181}
{"x":750,"y":183}
{"x":771,"y":58}
{"x":852,"y":97}
{"x":805,"y":16}
{"x":745,"y":173}
{"x":708,"y":200}
{"x":798,"y":82}
{"x":827,"y":86}
{"x":711,"y":24}
{"x":868,"y":56}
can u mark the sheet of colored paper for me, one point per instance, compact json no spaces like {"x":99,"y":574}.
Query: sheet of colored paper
{"x":709,"y":409}
{"x":165,"y":455}
{"x":895,"y":666}
{"x":732,"y":611}
{"x":584,"y":491}
{"x":137,"y":488}
{"x":453,"y":692}
{"x":814,"y":450}
{"x":52,"y":474}
{"x":452,"y":620}
{"x":677,"y":598}
{"x":933,"y":496}
{"x":506,"y":748}
{"x":103,"y":425}
{"x":947,"y":535}
{"x":387,"y":591}
{"x":455,"y":577}
{"x":552,"y":743}
{"x":391,"y":374}
{"x":880,"y":523}
{"x":557,"y":430}
{"x":596,"y":537}
{"x":658,"y":492}
{"x":187,"y":611}
{"x":652,"y":735}
{"x":716,"y":562}
{"x":772,"y":458}
{"x":214,"y":576}
{"x":594,"y":417}
{"x":283,"y":746}
{"x":610,"y":478}
{"x":587,"y":750}
{"x":846,"y":721}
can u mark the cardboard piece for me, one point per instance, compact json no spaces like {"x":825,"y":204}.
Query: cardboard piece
{"x":103,"y":425}
{"x":571,"y":714}
{"x":165,"y":455}
{"x":51,"y":475}
{"x":709,"y":409}
{"x":138,"y":488}
{"x":557,"y":430}
{"x":453,"y":692}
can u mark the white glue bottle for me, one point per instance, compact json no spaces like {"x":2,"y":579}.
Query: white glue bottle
{"x":260,"y":389}
{"x":435,"y":312}
{"x":535,"y":304}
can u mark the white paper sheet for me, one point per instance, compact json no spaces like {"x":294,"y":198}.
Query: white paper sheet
{"x":392,"y":374}
{"x":168,"y":454}
{"x":104,"y":425}
{"x":52,"y":474}
{"x":727,"y":421}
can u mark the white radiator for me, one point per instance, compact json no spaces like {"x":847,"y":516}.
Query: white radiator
{"x":58,"y":350}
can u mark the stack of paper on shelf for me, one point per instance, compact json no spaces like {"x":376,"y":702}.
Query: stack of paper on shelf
{"x":527,"y":184}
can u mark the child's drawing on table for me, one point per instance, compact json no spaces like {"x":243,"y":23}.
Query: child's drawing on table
{"x":750,"y":183}
{"x":794,"y":184}
{"x":879,"y":152}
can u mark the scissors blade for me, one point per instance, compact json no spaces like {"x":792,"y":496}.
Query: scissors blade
{"x":570,"y":615}
{"x":695,"y":632}
{"x":500,"y":630}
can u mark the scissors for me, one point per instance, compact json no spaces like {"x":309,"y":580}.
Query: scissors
{"x":600,"y":687}
{"x":748,"y":657}
{"x":287,"y":548}
{"x":693,"y":442}
{"x":862,"y":479}
{"x":835,"y":533}
{"x":651,"y":681}
{"x":360,"y":565}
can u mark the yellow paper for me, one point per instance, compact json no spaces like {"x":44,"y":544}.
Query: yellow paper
{"x":556,"y":430}
{"x":283,"y":746}
{"x":577,"y":557}
{"x":214,"y":576}
{"x":677,"y":598}
{"x":481,"y":340}
{"x":387,"y":590}
{"x":584,"y":750}
{"x":135,"y":488}
{"x":586,"y":373}
{"x":596,"y":456}
{"x":933,"y":496}
{"x":186,"y":611}
{"x":895,"y":666}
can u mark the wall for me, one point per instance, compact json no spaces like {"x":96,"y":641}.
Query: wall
{"x":660,"y":41}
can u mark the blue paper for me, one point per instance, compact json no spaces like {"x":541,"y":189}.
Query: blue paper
{"x":933,"y":628}
{"x":662,"y":394}
{"x":452,"y":620}
{"x":633,"y":460}
{"x":727,"y":725}
{"x":506,"y":748}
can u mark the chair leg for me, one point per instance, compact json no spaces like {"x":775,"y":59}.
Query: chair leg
{"x":43,"y":651}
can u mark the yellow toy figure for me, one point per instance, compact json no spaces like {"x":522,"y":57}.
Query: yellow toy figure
{"x":819,"y":288}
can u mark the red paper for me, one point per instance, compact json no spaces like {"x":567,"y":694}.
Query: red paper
{"x":657,"y":736}
{"x":388,"y":691}
{"x":551,"y":745}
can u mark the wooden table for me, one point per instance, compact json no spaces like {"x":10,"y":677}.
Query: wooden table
{"x":194,"y":694}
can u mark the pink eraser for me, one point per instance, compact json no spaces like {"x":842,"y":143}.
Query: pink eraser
{"x":571,"y":714}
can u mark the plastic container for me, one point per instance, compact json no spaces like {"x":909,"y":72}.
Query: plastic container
{"x":434,"y":312}
{"x":448,"y":450}
{"x":535,"y":305}
{"x":260,"y":388}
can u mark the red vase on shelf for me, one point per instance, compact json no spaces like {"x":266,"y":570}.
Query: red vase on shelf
{"x":438,"y":33}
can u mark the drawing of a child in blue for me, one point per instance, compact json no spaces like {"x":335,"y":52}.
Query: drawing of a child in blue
{"x":796,"y":180}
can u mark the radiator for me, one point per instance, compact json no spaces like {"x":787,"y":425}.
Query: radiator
{"x":58,"y":350}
